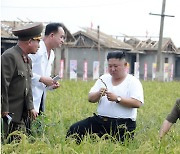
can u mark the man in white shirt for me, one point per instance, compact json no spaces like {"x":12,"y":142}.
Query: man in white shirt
{"x":42,"y":64}
{"x":118,"y":95}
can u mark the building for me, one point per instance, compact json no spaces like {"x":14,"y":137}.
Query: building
{"x":93,"y":45}
{"x":148,"y":50}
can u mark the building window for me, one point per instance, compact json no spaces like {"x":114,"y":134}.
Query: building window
{"x":166,"y":60}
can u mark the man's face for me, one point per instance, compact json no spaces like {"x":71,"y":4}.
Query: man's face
{"x":116,"y":67}
{"x":58,"y":38}
{"x":33,"y":45}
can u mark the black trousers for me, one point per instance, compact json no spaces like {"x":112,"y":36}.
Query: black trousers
{"x":42,"y":105}
{"x":118,"y":128}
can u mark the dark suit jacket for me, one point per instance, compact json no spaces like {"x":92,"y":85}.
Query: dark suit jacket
{"x":16,"y":93}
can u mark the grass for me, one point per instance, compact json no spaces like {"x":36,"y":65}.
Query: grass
{"x":69,"y":104}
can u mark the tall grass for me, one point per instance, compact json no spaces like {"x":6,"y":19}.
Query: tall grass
{"x":69,"y":104}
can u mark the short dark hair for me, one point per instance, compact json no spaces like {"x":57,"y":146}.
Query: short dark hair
{"x":52,"y":27}
{"x":116,"y":55}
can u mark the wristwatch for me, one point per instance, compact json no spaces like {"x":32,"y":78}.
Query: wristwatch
{"x":118,"y":99}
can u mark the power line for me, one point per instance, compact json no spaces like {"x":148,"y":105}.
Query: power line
{"x":136,"y":36}
{"x":110,"y":3}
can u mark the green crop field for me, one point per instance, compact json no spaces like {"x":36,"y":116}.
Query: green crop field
{"x":69,"y":104}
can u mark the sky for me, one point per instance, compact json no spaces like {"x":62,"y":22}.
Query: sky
{"x":115,"y":17}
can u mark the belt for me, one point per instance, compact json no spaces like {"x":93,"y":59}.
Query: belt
{"x":103,"y":118}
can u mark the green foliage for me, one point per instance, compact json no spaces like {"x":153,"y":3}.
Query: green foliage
{"x":69,"y":104}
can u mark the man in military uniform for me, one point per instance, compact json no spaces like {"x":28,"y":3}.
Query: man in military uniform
{"x":170,"y":119}
{"x":16,"y":93}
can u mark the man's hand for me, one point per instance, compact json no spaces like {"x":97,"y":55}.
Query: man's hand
{"x":3,"y":114}
{"x":96,"y":96}
{"x":33,"y":114}
{"x":55,"y":85}
{"x":48,"y":81}
{"x":111,"y":96}
{"x":102,"y":91}
{"x":165,"y":128}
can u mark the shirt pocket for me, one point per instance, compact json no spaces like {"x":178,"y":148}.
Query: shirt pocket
{"x":19,"y":81}
{"x":21,"y":73}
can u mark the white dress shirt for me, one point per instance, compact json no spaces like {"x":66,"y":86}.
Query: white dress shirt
{"x":41,"y":66}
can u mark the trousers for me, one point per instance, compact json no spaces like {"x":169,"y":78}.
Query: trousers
{"x":24,"y":126}
{"x":116,"y":127}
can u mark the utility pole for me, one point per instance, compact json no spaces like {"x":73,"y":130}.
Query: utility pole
{"x":159,"y":60}
{"x":98,"y":33}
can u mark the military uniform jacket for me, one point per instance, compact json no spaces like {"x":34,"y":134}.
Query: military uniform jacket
{"x":16,"y":93}
{"x":175,"y":113}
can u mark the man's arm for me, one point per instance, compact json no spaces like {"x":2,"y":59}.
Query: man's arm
{"x":130,"y":102}
{"x":7,"y":70}
{"x":165,"y":128}
{"x":127,"y":102}
{"x":36,"y":78}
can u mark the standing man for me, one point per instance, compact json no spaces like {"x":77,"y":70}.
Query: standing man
{"x":118,"y":95}
{"x":171,"y":119}
{"x":16,"y":93}
{"x":42,"y":64}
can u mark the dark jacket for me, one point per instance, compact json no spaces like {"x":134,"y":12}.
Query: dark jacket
{"x":16,"y":93}
{"x":175,"y":112}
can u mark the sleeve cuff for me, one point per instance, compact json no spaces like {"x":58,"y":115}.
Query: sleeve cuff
{"x":36,"y":78}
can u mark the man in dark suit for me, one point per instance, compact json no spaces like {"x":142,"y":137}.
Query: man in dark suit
{"x":16,"y":93}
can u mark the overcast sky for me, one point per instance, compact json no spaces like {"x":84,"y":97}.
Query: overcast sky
{"x":115,"y":17}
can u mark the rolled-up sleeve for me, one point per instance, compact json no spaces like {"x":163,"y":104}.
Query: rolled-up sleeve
{"x":175,"y":113}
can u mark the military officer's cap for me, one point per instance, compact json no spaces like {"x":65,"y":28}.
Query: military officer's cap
{"x":29,"y":31}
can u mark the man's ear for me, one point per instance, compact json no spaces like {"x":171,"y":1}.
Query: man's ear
{"x":51,"y":35}
{"x":125,"y":63}
{"x":29,"y":41}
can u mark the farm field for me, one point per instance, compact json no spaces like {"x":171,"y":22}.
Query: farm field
{"x":69,"y":104}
